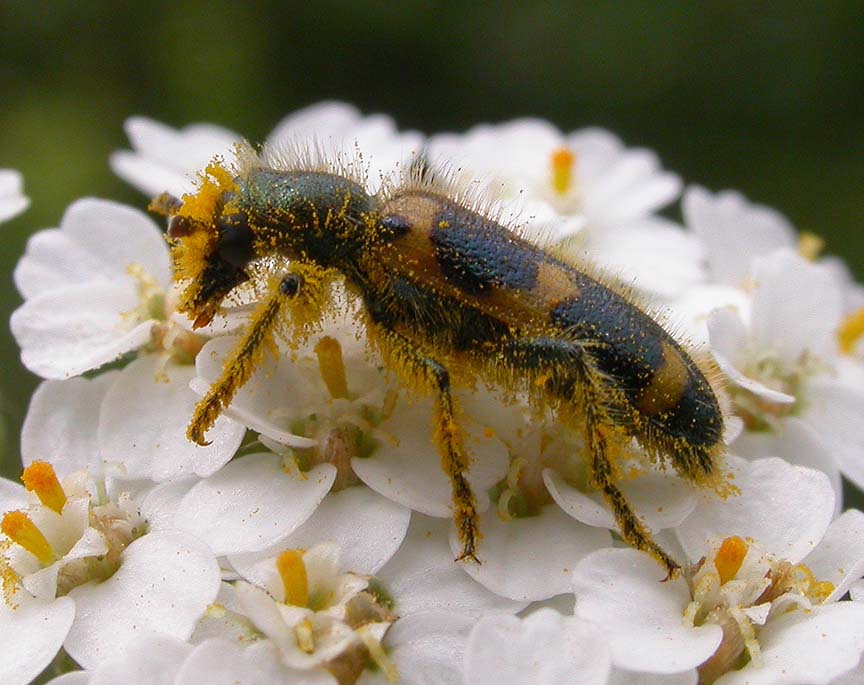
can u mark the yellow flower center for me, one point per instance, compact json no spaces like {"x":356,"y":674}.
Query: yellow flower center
{"x":41,"y":479}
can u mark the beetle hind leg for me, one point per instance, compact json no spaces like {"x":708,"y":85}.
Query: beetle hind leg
{"x":601,"y":469}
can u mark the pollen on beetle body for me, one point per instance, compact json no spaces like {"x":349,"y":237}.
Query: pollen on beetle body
{"x":446,"y":295}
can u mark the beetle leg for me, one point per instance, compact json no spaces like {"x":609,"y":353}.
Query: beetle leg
{"x":246,"y":355}
{"x":447,"y":433}
{"x":565,"y":360}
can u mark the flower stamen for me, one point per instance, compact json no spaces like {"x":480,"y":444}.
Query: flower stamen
{"x":563,"y":162}
{"x":18,"y":527}
{"x":729,"y":558}
{"x":379,"y":656}
{"x":332,"y":367}
{"x":41,"y":479}
{"x":292,"y":570}
{"x":810,"y":245}
{"x":305,"y":636}
{"x":850,"y":331}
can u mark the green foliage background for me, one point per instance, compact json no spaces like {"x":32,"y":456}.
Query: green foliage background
{"x":764,"y":98}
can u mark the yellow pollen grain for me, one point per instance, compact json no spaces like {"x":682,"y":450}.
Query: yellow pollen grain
{"x":816,"y":590}
{"x":213,"y":182}
{"x":810,"y":245}
{"x":563,"y":161}
{"x":18,"y":527}
{"x":729,"y":558}
{"x":305,"y":636}
{"x":40,"y":478}
{"x":292,"y":570}
{"x":332,"y":367}
{"x":850,"y":331}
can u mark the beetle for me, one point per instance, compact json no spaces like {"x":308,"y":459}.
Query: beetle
{"x":445,"y":285}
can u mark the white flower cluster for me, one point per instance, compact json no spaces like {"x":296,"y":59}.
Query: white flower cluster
{"x":310,"y":542}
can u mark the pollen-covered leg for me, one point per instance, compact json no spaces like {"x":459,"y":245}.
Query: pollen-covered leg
{"x":446,"y":433}
{"x":238,"y":367}
{"x":597,"y":431}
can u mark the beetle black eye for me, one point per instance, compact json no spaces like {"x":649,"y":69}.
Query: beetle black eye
{"x":290,"y":285}
{"x":235,"y":240}
{"x":179,"y":226}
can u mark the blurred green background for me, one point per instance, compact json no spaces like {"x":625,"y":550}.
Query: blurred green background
{"x":768,"y":99}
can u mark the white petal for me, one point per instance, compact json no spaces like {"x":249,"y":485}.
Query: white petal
{"x":839,"y":558}
{"x":166,"y":159}
{"x":799,"y":444}
{"x":653,"y":254}
{"x":751,"y":385}
{"x":218,"y":662}
{"x":410,"y":472}
{"x":164,"y":584}
{"x":252,"y":503}
{"x":428,"y":648}
{"x":61,"y":423}
{"x":12,"y":201}
{"x":72,"y":678}
{"x":734,"y":231}
{"x":661,"y":501}
{"x":620,"y":591}
{"x":67,"y":331}
{"x":423,"y":576}
{"x":97,"y":240}
{"x":785,"y":508}
{"x":806,"y":648}
{"x":692,"y":309}
{"x":149,"y":660}
{"x":316,"y":122}
{"x":366,"y":527}
{"x":143,"y":422}
{"x":160,"y":504}
{"x":30,"y":637}
{"x":797,"y":306}
{"x":543,"y":649}
{"x":834,"y":411}
{"x":12,"y":496}
{"x":530,"y":558}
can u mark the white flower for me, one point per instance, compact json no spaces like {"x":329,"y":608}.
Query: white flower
{"x":84,"y":543}
{"x":162,"y":660}
{"x":322,"y":619}
{"x":734,"y":232}
{"x":12,"y":199}
{"x":759,"y":605}
{"x":95,"y":289}
{"x":585,"y":184}
{"x":167,"y":160}
{"x":782,"y":360}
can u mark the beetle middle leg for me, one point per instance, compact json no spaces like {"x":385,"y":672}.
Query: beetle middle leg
{"x":570,"y":368}
{"x":455,"y":461}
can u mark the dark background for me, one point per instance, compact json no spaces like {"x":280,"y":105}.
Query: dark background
{"x":765,"y":99}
